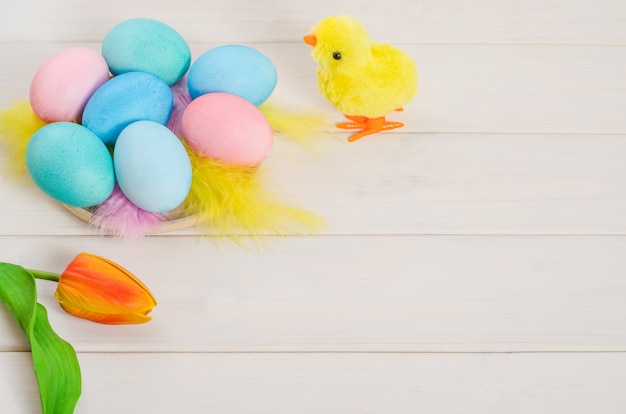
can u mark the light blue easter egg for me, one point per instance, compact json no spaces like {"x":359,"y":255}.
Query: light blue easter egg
{"x":124,"y":99}
{"x":71,"y":164}
{"x":235,"y":69}
{"x":152,"y":167}
{"x":146,"y":45}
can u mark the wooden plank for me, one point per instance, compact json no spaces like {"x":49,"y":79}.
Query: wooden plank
{"x":351,"y":294}
{"x":463,"y":88}
{"x":484,"y":21}
{"x":489,"y":88}
{"x":333,"y":383}
{"x":419,"y":184}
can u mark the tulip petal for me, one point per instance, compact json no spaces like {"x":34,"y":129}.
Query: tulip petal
{"x":95,"y":288}
{"x":108,"y":319}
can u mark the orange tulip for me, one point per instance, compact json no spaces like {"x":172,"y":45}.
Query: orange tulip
{"x":94,"y":288}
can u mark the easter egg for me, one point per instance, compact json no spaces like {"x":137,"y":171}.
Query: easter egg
{"x":64,"y":83}
{"x":235,"y":69}
{"x":228,"y":129}
{"x":152,"y":166}
{"x":146,"y":45}
{"x":70,"y":163}
{"x":124,"y":99}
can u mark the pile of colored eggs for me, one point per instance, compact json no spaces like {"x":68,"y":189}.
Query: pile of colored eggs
{"x":107,"y":116}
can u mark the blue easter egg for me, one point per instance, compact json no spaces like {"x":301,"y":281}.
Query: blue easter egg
{"x":124,"y":99}
{"x":71,"y":164}
{"x":152,"y":167}
{"x":146,"y":45}
{"x":235,"y":69}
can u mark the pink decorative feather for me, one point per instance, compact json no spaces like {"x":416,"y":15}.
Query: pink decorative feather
{"x":181,"y":100}
{"x":118,"y":216}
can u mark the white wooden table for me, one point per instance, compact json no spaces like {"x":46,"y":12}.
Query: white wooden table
{"x":474,"y":262}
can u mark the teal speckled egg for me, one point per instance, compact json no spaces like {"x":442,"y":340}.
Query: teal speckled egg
{"x":71,"y":164}
{"x":146,"y":45}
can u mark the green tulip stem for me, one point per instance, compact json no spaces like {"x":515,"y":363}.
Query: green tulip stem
{"x":54,"y":359}
{"x":39,"y":274}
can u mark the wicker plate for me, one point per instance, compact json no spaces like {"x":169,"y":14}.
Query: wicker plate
{"x":174,"y":224}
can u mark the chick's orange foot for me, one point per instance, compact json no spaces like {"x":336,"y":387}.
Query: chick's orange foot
{"x":368,"y":126}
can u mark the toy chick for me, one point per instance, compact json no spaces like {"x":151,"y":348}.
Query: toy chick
{"x":363,"y":79}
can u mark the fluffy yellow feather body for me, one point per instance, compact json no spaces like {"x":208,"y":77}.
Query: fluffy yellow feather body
{"x":387,"y":81}
{"x":363,"y":79}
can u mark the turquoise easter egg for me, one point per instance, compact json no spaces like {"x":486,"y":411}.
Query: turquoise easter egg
{"x":71,"y":164}
{"x":235,"y":69}
{"x":152,"y":167}
{"x":146,"y":45}
{"x":124,"y":99}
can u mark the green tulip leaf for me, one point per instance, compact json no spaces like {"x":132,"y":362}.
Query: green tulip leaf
{"x":54,"y":360}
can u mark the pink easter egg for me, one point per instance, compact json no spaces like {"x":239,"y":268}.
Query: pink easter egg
{"x":64,"y":83}
{"x":228,"y":129}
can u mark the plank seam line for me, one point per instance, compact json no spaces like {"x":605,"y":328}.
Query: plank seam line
{"x":346,"y":235}
{"x":398,"y":42}
{"x":149,"y":352}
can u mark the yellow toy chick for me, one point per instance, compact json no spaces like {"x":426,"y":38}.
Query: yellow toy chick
{"x":363,"y":79}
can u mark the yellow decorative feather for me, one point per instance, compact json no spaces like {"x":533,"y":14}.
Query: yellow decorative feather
{"x":303,"y":126}
{"x":232,"y":201}
{"x":17,"y":126}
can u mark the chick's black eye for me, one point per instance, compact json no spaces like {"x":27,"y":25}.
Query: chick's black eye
{"x":336,"y":55}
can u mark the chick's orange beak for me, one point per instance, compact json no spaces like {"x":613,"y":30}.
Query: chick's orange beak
{"x":310,"y":39}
